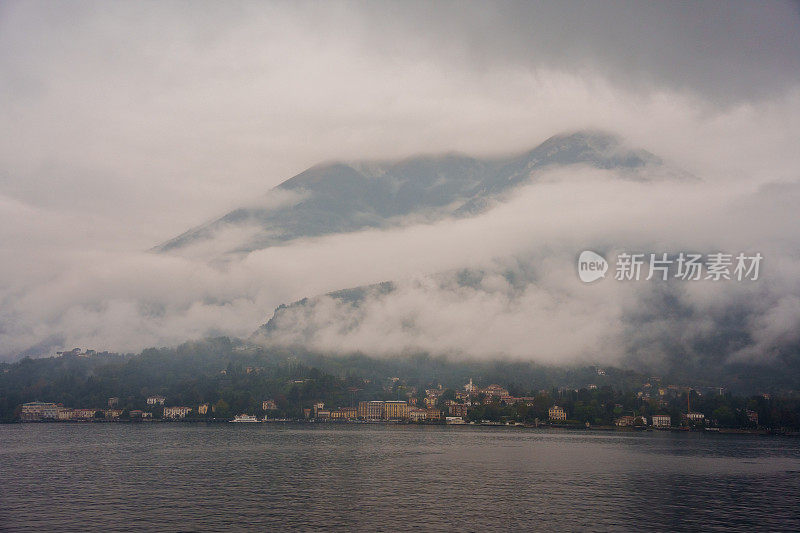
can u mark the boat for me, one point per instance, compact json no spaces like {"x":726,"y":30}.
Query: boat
{"x":245,"y":418}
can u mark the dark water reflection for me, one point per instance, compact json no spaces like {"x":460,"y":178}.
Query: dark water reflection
{"x":262,"y":477}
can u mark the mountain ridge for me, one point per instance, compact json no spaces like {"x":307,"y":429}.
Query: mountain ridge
{"x":342,"y":197}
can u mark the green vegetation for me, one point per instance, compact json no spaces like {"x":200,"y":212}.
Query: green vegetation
{"x":234,"y":378}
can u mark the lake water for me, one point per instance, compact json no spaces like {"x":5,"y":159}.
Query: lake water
{"x":271,"y":477}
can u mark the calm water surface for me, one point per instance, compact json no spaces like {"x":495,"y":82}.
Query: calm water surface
{"x":270,"y":477}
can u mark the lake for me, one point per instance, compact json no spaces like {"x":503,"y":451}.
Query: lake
{"x":364,"y":477}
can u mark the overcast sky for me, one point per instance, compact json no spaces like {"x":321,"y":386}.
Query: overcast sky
{"x":124,"y":124}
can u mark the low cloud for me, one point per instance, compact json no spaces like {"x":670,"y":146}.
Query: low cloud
{"x":121,"y":136}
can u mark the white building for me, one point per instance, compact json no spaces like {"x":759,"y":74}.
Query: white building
{"x":39,"y":411}
{"x":156,"y":400}
{"x":469,"y":387}
{"x":418,"y":415}
{"x":661,"y":421}
{"x":176,"y":412}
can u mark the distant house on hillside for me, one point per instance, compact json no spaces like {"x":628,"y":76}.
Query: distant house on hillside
{"x":156,"y":400}
{"x":495,"y":391}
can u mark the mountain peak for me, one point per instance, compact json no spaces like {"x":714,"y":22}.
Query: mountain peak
{"x":340,"y":197}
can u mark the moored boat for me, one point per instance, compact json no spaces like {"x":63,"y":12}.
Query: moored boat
{"x":245,"y":418}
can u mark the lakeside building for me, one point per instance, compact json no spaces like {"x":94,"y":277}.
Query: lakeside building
{"x":65,"y":413}
{"x":32,"y":411}
{"x":661,"y":421}
{"x":83,"y":414}
{"x":202,"y":409}
{"x":113,"y":402}
{"x":317,"y":407}
{"x":695,"y":417}
{"x":418,"y":415}
{"x":396,"y":410}
{"x":156,"y":400}
{"x":434,"y":414}
{"x":624,"y":421}
{"x":372,"y":410}
{"x":345,"y":413}
{"x":556,"y":413}
{"x":113,"y":414}
{"x":752,"y":416}
{"x":269,"y":405}
{"x":176,"y":412}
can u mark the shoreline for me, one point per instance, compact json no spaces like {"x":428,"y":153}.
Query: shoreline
{"x":722,"y":431}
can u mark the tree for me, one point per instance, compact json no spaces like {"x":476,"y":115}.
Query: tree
{"x":222,"y":409}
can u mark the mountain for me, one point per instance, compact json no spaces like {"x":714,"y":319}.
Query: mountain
{"x":345,"y":197}
{"x":294,"y":326}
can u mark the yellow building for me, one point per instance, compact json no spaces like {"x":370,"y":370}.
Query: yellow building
{"x":396,"y":410}
{"x":345,"y":413}
{"x":434,"y":414}
{"x":556,"y":413}
{"x":203,"y":409}
{"x":370,"y":410}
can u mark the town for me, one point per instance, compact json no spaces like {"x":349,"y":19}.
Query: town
{"x":468,"y":405}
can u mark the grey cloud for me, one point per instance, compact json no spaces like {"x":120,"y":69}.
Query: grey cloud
{"x":725,"y":51}
{"x":124,"y":124}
